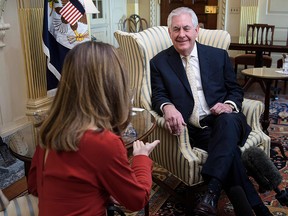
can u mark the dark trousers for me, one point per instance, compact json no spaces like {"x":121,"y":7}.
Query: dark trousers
{"x":221,"y":139}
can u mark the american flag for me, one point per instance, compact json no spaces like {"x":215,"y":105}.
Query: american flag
{"x":56,"y":44}
{"x":72,"y":11}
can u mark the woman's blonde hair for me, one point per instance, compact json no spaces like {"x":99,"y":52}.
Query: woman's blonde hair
{"x":93,"y":90}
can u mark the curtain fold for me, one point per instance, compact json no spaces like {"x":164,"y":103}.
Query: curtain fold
{"x":248,"y":15}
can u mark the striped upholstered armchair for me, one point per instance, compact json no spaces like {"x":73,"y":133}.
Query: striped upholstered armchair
{"x":174,"y":154}
{"x":26,"y":205}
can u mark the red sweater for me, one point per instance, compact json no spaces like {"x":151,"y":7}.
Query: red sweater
{"x":80,"y":183}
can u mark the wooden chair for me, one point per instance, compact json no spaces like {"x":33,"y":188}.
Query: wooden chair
{"x":175,"y":153}
{"x":134,"y":23}
{"x":257,"y":34}
{"x":260,"y":34}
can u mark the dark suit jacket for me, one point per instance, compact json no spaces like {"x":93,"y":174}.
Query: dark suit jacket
{"x":170,"y":84}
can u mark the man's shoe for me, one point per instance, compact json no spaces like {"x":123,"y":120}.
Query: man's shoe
{"x":208,"y":205}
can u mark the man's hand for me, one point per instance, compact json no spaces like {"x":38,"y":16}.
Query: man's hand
{"x":220,"y":108}
{"x":173,"y":119}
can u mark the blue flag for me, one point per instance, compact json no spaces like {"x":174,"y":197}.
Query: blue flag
{"x":64,"y":26}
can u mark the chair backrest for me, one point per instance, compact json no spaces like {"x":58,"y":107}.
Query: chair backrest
{"x":261,"y":34}
{"x":216,"y":38}
{"x":139,"y":48}
{"x":134,"y":23}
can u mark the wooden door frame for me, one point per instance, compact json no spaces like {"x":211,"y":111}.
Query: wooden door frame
{"x":155,"y":13}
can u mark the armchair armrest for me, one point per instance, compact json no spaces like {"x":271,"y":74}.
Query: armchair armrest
{"x":4,"y":202}
{"x":253,"y":109}
{"x":175,"y":153}
{"x":24,"y":205}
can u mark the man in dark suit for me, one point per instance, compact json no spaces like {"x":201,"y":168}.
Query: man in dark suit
{"x":217,"y":125}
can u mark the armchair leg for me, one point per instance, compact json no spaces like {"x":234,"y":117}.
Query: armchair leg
{"x":190,"y":199}
{"x":112,"y":208}
{"x":146,"y":209}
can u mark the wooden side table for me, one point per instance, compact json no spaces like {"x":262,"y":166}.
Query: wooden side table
{"x":267,"y":75}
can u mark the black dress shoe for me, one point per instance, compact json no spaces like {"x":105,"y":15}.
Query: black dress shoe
{"x":208,"y":205}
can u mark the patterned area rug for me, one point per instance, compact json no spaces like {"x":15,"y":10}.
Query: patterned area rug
{"x":163,"y":204}
{"x":225,"y":207}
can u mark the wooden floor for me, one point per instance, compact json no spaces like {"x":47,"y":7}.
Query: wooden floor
{"x":16,"y":189}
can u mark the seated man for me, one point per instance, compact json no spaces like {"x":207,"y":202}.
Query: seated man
{"x":195,"y":85}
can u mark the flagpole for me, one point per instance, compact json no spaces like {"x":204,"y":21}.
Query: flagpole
{"x":89,"y":24}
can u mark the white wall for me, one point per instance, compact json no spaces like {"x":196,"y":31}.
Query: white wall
{"x":232,"y":21}
{"x":13,"y":92}
{"x":233,"y":18}
{"x":275,"y":12}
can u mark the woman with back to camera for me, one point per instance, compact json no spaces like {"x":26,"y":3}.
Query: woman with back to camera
{"x":81,"y":161}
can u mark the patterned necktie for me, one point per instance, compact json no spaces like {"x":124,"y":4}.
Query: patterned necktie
{"x":194,"y":118}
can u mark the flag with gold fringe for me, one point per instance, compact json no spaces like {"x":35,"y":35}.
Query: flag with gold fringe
{"x":64,"y":26}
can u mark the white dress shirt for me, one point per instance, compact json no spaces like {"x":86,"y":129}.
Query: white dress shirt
{"x":194,"y":62}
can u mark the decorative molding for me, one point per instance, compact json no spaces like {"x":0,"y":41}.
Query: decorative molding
{"x":153,"y":13}
{"x":38,"y":104}
{"x":3,"y":26}
{"x":277,"y":7}
{"x":2,"y":6}
{"x":12,"y":127}
{"x":223,"y":15}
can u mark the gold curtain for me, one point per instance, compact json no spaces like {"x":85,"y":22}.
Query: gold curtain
{"x":249,"y":15}
{"x":31,"y":22}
